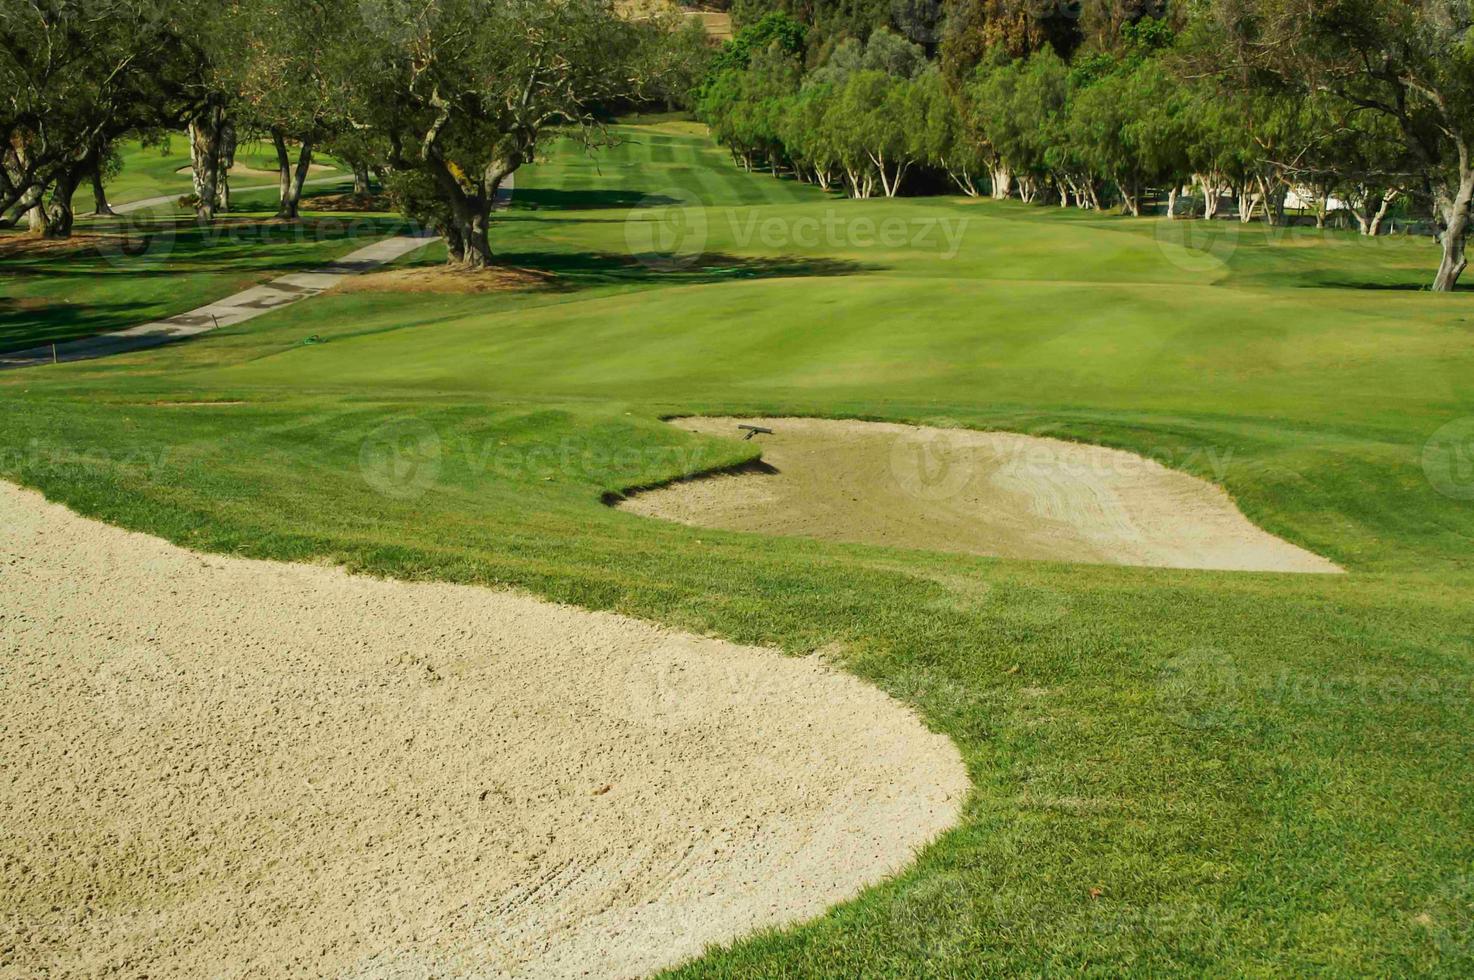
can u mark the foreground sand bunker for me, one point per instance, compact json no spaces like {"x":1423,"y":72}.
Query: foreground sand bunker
{"x":218,"y":767}
{"x":985,"y":493}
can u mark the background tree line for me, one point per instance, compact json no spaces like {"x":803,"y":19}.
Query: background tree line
{"x":1367,"y":104}
{"x":441,"y":100}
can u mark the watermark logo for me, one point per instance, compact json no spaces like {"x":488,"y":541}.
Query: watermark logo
{"x":1448,"y":459}
{"x":932,"y":463}
{"x":1199,"y":688}
{"x":131,"y":244}
{"x":136,"y":683}
{"x":1448,"y":917}
{"x":1195,"y":246}
{"x":667,"y":231}
{"x":841,"y":229}
{"x":401,"y":458}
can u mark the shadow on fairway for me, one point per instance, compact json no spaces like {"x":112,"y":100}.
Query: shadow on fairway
{"x":170,"y":247}
{"x":569,"y":271}
{"x":26,"y":323}
{"x":119,"y":273}
{"x":1389,"y":287}
{"x":552,"y":199}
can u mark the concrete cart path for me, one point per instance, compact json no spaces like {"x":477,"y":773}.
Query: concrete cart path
{"x":154,"y":202}
{"x":243,"y":306}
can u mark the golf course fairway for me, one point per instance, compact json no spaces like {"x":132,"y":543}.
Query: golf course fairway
{"x":1172,"y":771}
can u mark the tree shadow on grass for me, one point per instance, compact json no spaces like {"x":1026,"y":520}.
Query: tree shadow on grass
{"x":570,"y":271}
{"x":154,"y":248}
{"x":552,"y":199}
{"x":27,"y":323}
{"x":1388,"y":287}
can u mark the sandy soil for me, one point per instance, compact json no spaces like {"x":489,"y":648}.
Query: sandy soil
{"x":218,"y":767}
{"x":985,"y":493}
{"x":24,"y":243}
{"x":717,"y":23}
{"x":373,"y":204}
{"x":443,"y":279}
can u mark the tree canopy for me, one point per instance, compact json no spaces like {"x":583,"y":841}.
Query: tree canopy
{"x":1364,"y":105}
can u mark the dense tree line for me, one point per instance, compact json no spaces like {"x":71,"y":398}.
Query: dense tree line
{"x":1365,"y":103}
{"x":441,"y":99}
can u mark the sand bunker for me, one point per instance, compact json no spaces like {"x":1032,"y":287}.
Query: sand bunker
{"x":985,"y":493}
{"x":218,"y":767}
{"x":242,"y":170}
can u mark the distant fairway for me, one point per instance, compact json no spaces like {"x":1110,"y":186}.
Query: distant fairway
{"x":1174,"y":771}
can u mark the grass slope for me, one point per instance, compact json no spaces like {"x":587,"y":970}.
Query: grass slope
{"x":154,"y":266}
{"x":1174,"y":771}
{"x":154,"y":171}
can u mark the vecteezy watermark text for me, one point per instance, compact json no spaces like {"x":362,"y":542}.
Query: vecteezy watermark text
{"x":40,"y":456}
{"x":671,"y":230}
{"x":837,"y":230}
{"x":406,"y":457}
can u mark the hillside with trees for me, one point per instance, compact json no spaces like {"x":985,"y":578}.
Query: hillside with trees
{"x":1212,"y":111}
{"x":441,"y":101}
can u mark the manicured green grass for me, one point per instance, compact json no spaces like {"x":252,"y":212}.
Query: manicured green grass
{"x":154,"y":171}
{"x":147,"y":267}
{"x":1175,"y":772}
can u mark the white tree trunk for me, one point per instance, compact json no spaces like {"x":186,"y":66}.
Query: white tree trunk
{"x":1374,"y":227}
{"x":1002,"y":180}
{"x":1246,"y":204}
{"x":964,"y":181}
{"x":1210,"y":185}
{"x":1455,"y":210}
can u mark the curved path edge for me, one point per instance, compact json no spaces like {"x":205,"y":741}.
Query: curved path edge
{"x":245,"y":305}
{"x":215,"y":763}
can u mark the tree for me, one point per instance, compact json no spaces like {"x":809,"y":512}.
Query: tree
{"x":977,"y":31}
{"x":746,"y":108}
{"x":940,"y":134}
{"x":774,"y":29}
{"x":285,"y":77}
{"x":1021,"y":104}
{"x":1126,"y":127}
{"x":463,"y":94}
{"x":74,"y":76}
{"x":1411,"y":62}
{"x":809,"y":140}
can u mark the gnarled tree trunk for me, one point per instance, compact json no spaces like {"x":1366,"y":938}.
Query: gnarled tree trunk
{"x":467,"y":243}
{"x":208,"y":154}
{"x":1210,"y":186}
{"x":1130,"y":196}
{"x":1374,"y":227}
{"x":25,"y":206}
{"x":289,"y":182}
{"x":1001,"y":177}
{"x":1455,"y":211}
{"x":100,"y":205}
{"x":36,"y":220}
{"x":59,"y":216}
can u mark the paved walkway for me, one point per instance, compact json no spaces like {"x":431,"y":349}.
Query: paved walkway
{"x":154,"y":202}
{"x":227,"y":312}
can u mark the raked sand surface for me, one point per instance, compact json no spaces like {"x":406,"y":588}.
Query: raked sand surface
{"x":985,"y":493}
{"x":212,"y":766}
